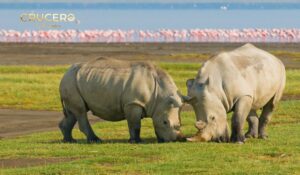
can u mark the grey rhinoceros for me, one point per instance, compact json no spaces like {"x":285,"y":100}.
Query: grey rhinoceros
{"x":243,"y":80}
{"x":117,"y":90}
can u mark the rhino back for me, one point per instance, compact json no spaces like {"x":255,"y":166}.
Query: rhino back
{"x":107,"y":85}
{"x":266,"y":76}
{"x":247,"y":71}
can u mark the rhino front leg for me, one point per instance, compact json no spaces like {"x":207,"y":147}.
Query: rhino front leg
{"x":133,"y":115}
{"x":253,"y":125}
{"x":241,"y":111}
{"x":264,"y":119}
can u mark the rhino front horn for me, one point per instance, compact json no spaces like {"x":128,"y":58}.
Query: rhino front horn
{"x":191,"y":139}
{"x":186,"y":99}
{"x":199,"y":137}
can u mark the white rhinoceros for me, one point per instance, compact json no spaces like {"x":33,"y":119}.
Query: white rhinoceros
{"x":117,"y":90}
{"x":243,"y":81}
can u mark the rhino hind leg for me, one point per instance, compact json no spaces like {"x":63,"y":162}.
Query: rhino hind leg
{"x":265,"y":119}
{"x":76,"y":109}
{"x":85,"y":127}
{"x":241,"y":111}
{"x":253,"y":125}
{"x":133,"y":114}
{"x":66,"y":126}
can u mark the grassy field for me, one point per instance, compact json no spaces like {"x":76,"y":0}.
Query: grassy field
{"x":280,"y":154}
{"x":34,"y":87}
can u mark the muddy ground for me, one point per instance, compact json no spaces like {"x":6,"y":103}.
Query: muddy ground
{"x":18,"y":122}
{"x":57,"y":53}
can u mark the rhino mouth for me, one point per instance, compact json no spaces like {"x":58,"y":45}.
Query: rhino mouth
{"x":181,"y":138}
{"x":159,"y":139}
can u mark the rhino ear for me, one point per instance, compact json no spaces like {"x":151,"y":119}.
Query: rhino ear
{"x":189,"y":83}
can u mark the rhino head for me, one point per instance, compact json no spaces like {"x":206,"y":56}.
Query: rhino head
{"x":210,"y":112}
{"x":166,"y":119}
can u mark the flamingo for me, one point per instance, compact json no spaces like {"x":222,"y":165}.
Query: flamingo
{"x":161,"y":35}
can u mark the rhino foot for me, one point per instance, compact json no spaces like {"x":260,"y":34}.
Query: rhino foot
{"x":133,"y":141}
{"x":240,"y":143}
{"x":263,"y":136}
{"x":237,"y":138}
{"x":94,"y":140}
{"x":69,"y":140}
{"x":223,"y":139}
{"x":250,"y":135}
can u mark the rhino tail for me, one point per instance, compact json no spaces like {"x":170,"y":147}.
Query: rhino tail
{"x":64,"y":108}
{"x":67,"y":115}
{"x":61,"y":123}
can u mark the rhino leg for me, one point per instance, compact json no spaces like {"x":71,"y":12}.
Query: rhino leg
{"x":85,"y":127}
{"x":133,"y":114}
{"x":75,"y":106}
{"x":265,"y":118}
{"x":241,"y":111}
{"x":66,"y":126}
{"x":253,"y":125}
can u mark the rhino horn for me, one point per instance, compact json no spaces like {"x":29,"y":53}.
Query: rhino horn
{"x":187,"y":99}
{"x":192,"y":139}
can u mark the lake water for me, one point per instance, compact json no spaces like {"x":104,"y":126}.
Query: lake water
{"x":157,"y":16}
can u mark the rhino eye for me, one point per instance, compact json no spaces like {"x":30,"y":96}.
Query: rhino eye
{"x":165,"y":122}
{"x":212,"y":118}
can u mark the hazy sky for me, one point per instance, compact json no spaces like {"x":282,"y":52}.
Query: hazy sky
{"x":156,"y":1}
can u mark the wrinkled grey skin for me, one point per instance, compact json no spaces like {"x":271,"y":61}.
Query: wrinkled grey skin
{"x":117,"y":90}
{"x":243,"y":81}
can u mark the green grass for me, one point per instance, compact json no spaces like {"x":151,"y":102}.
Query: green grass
{"x":36,"y":87}
{"x":285,"y":54}
{"x":292,"y":82}
{"x":280,"y":154}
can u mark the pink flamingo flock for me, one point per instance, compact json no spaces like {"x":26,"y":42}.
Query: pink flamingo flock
{"x":162,"y":35}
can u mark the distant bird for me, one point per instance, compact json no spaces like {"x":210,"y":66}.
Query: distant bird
{"x":224,"y":8}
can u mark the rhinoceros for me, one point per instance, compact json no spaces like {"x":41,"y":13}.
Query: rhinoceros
{"x":241,"y":81}
{"x":117,"y":90}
